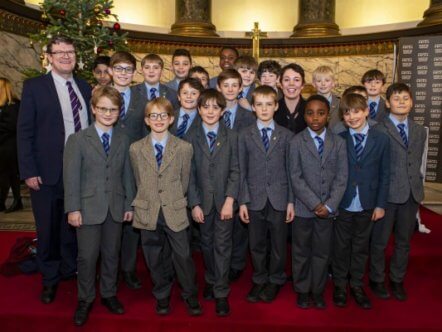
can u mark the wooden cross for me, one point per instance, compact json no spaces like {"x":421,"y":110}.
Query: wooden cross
{"x":256,"y":34}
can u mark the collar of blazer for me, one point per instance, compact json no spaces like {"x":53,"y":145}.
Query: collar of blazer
{"x":329,"y":142}
{"x":169,"y":153}
{"x":372,"y":137}
{"x":257,"y":138}
{"x":95,"y":141}
{"x":221,"y":138}
{"x":391,"y":128}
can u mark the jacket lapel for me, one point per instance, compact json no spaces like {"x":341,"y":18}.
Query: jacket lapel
{"x":148,"y":153}
{"x":393,"y":131}
{"x":169,"y":152}
{"x":310,"y":144}
{"x":202,"y":142}
{"x":328,"y":146}
{"x":220,"y":140}
{"x":370,"y":143}
{"x":350,"y":145}
{"x":95,"y":140}
{"x":273,"y":141}
{"x":256,"y":137}
{"x":115,"y":144}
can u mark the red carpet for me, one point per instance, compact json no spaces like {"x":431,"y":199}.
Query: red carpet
{"x":21,"y":310}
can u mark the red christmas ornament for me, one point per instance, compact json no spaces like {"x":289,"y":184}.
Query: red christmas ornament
{"x":99,"y":50}
{"x":110,"y":42}
{"x":117,"y":26}
{"x":62,"y":12}
{"x":107,"y":11}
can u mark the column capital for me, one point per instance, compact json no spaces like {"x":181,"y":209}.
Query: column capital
{"x":193,"y":18}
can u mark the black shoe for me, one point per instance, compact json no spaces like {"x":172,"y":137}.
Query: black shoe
{"x":193,"y":306}
{"x":48,"y":294}
{"x":340,"y":297}
{"x":360,"y":297}
{"x":269,"y":292}
{"x":208,"y":292}
{"x":131,"y":280}
{"x":222,"y":306}
{"x":303,"y":301}
{"x":234,"y":275}
{"x":82,"y":313}
{"x":397,"y":288}
{"x":378,"y":289}
{"x":163,"y":306}
{"x":113,"y":305}
{"x":16,"y":205}
{"x":318,"y":300}
{"x":253,"y":295}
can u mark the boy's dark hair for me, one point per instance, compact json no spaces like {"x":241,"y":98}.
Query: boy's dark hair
{"x":373,"y":74}
{"x":123,"y":57}
{"x":246,"y":61}
{"x":109,"y":92}
{"x":193,"y":82}
{"x":354,"y":89}
{"x":398,"y":88}
{"x":58,"y":40}
{"x":296,"y":68}
{"x":229,"y":73}
{"x":352,"y":101}
{"x":152,"y":58}
{"x":270,"y":66}
{"x":229,"y":48}
{"x":264,"y":90}
{"x":182,"y":52}
{"x":101,"y":60}
{"x":320,"y":98}
{"x":160,"y":102}
{"x":199,"y":69}
{"x":212,"y":94}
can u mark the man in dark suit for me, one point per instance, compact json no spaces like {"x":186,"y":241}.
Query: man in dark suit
{"x":53,"y":107}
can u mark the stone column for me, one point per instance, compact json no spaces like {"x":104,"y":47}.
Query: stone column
{"x":433,"y":15}
{"x":193,"y":18}
{"x":316,"y":19}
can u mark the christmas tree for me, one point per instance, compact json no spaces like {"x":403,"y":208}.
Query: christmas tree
{"x":86,"y":22}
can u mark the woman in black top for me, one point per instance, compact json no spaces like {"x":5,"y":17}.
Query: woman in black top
{"x":290,"y":113}
{"x":9,"y":178}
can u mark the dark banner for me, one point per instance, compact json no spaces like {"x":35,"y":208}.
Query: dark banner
{"x":420,"y":66}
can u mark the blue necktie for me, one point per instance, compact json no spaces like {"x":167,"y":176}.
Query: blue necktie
{"x":76,"y":106}
{"x":227,"y":119}
{"x":265,"y":137}
{"x":122,"y":108}
{"x":105,"y":141}
{"x":159,"y":154}
{"x":373,"y":105}
{"x":241,"y":95}
{"x":153,"y":94}
{"x":183,"y":126}
{"x":358,"y":146}
{"x":212,"y":138}
{"x":403,"y":134}
{"x":320,"y":145}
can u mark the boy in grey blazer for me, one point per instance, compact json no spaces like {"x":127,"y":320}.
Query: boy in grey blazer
{"x":213,"y":189}
{"x":407,"y":143}
{"x":318,"y":172}
{"x":266,"y":198}
{"x":99,"y":189}
{"x":374,"y":80}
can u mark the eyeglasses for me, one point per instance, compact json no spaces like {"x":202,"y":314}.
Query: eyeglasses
{"x":125,"y":70}
{"x":104,"y":110}
{"x":157,"y":116}
{"x":63,"y":53}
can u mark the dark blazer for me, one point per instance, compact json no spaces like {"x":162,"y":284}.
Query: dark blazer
{"x":40,"y":129}
{"x":165,"y":92}
{"x":295,"y":122}
{"x":96,"y":183}
{"x":334,"y":117}
{"x":248,"y":96}
{"x":317,"y":180}
{"x":405,"y":163}
{"x":264,"y":174}
{"x":371,"y":174}
{"x":243,"y":119}
{"x":8,"y":137}
{"x":174,"y":127}
{"x":382,"y":110}
{"x":214,"y":176}
{"x":173,"y":84}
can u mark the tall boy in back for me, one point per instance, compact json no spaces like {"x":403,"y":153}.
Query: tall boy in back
{"x":374,"y":80}
{"x":364,"y":201}
{"x":213,"y":189}
{"x":201,"y":74}
{"x":152,"y":67}
{"x":161,"y":164}
{"x":99,"y":188}
{"x":235,"y":117}
{"x":122,"y":68}
{"x":266,"y":198}
{"x":407,"y":143}
{"x":318,"y":172}
{"x":246,"y":66}
{"x":323,"y":80}
{"x":268,"y":73}
{"x":227,"y":57}
{"x":181,"y":63}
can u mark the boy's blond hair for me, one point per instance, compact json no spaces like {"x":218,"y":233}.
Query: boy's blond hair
{"x":323,"y":71}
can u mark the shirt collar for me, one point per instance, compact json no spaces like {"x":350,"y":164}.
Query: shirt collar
{"x":376,"y":100}
{"x":313,"y":134}
{"x":191,"y":114}
{"x":100,"y":132}
{"x":60,"y":79}
{"x":396,"y":121}
{"x":215,"y":129}
{"x":363,"y":131}
{"x":156,"y":86}
{"x":163,"y":142}
{"x":261,"y":125}
{"x":233,"y":109}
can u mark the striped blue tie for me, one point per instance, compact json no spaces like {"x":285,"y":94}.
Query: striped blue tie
{"x":227,"y":119}
{"x":212,"y":138}
{"x":358,"y":146}
{"x":122,"y":108}
{"x":265,"y":137}
{"x":320,"y":145}
{"x":159,"y":154}
{"x":373,"y":105}
{"x":241,"y":95}
{"x":401,"y":127}
{"x":76,"y":106}
{"x":183,"y":126}
{"x":153,"y":94}
{"x":105,"y":141}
